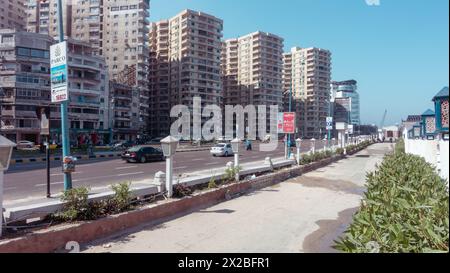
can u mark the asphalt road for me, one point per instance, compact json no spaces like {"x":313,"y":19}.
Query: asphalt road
{"x":28,"y":181}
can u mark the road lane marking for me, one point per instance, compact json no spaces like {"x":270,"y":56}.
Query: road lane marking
{"x":9,"y":188}
{"x":212,"y":163}
{"x":123,"y":168}
{"x":54,"y":183}
{"x":56,"y":174}
{"x":178,"y":168}
{"x":125,"y":174}
{"x":197,"y":159}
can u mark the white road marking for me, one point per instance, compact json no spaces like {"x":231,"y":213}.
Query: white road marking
{"x":57,"y":174}
{"x":212,"y":163}
{"x":197,"y":159}
{"x":54,"y":183}
{"x":123,"y":168}
{"x":9,"y":188}
{"x":125,"y":174}
{"x":178,"y":168}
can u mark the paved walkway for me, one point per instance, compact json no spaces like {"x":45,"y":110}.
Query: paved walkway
{"x":304,"y":214}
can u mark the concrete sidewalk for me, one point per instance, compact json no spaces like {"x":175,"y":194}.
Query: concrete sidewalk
{"x":304,"y":214}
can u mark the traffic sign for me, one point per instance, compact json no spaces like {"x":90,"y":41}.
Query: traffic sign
{"x":59,"y":72}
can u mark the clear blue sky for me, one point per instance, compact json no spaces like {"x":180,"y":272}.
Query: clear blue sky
{"x":397,"y":51}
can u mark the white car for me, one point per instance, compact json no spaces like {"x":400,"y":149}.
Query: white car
{"x":25,"y":145}
{"x":222,"y":149}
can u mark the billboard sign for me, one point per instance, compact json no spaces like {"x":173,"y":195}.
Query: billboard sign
{"x":286,"y":123}
{"x":350,"y":129}
{"x":329,"y":123}
{"x":59,"y":72}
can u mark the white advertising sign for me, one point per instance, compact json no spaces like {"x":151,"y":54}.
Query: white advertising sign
{"x":329,"y":123}
{"x":350,"y":129}
{"x":59,"y":72}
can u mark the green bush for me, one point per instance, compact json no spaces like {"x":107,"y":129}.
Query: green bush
{"x":230,"y":174}
{"x":405,"y":209}
{"x":76,"y":206}
{"x":212,"y":183}
{"x":122,"y":197}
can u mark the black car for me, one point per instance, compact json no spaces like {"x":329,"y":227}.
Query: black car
{"x":142,"y":154}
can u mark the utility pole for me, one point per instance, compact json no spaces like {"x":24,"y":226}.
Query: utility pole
{"x":64,"y":106}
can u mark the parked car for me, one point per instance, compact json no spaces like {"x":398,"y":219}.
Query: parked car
{"x":222,"y":149}
{"x":25,"y":145}
{"x":123,"y":145}
{"x":142,"y":154}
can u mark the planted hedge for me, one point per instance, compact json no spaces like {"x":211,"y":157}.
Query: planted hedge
{"x":405,"y":209}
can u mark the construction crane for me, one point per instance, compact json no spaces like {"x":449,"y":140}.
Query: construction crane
{"x":380,"y":129}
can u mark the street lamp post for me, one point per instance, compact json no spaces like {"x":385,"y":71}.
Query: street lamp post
{"x":325,"y":141}
{"x":298,"y":143}
{"x":235,"y":146}
{"x":313,"y":146}
{"x":6,"y":147}
{"x":169,"y":147}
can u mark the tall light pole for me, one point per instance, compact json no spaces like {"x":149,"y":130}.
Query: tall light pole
{"x":64,"y":106}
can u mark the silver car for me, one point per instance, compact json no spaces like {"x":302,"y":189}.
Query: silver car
{"x":222,"y":149}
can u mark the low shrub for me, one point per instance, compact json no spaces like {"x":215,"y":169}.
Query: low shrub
{"x":230,"y":174}
{"x":76,"y":206}
{"x":122,"y":197}
{"x":212,"y":183}
{"x":405,"y":209}
{"x":181,"y":190}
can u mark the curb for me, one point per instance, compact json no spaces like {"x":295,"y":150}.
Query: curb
{"x":55,"y":238}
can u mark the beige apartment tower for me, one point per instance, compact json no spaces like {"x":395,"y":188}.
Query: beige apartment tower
{"x":252,"y":68}
{"x":307,"y":71}
{"x":185,"y":63}
{"x":12,"y":14}
{"x":252,"y":71}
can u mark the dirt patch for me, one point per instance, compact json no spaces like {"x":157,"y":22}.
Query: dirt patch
{"x":331,"y":184}
{"x":322,"y":240}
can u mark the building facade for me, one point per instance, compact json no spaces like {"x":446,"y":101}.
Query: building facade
{"x":124,"y":112}
{"x":252,"y":68}
{"x":25,"y":84}
{"x":117,"y":30}
{"x":252,"y":72}
{"x":185,"y":63}
{"x":348,"y":89}
{"x":12,"y":14}
{"x":307,"y":71}
{"x":42,"y":17}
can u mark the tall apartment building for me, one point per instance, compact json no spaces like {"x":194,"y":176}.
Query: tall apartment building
{"x":25,"y":84}
{"x":308,"y":72}
{"x":117,"y":30}
{"x":124,"y":113}
{"x":253,"y":69}
{"x":348,"y":89}
{"x":159,"y":79}
{"x":12,"y":14}
{"x":185,"y":63}
{"x":42,"y":17}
